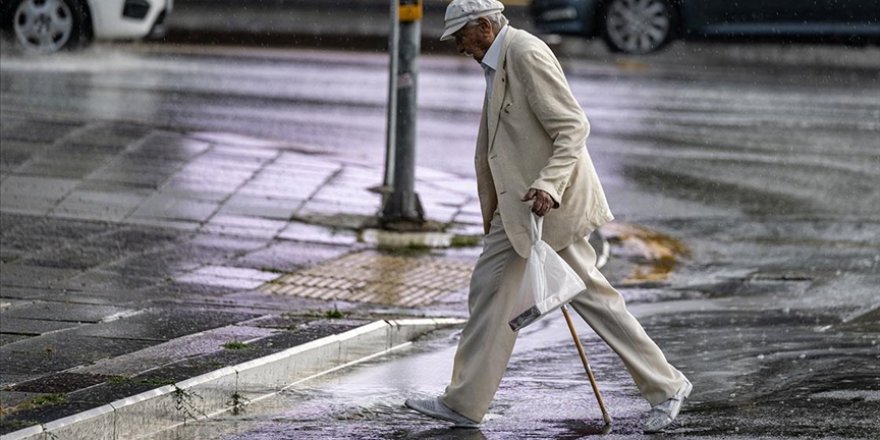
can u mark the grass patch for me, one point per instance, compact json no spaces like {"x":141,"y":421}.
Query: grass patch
{"x":15,"y":425}
{"x":157,"y":381}
{"x":235,"y":345}
{"x":410,"y":250}
{"x":459,"y":241}
{"x":334,"y":314}
{"x":41,"y":401}
{"x":51,"y":399}
{"x":119,"y":379}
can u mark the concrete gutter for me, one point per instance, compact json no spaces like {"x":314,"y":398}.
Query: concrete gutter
{"x":232,"y":387}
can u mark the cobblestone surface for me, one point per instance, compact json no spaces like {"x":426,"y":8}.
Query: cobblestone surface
{"x":128,"y":250}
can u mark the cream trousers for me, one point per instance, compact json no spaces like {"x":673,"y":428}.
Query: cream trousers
{"x":487,"y":341}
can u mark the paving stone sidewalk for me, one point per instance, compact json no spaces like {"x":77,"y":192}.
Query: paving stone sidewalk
{"x":133,"y":257}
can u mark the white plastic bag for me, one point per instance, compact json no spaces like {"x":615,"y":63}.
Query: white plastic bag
{"x":548,"y":283}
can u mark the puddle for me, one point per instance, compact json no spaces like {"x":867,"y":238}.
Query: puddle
{"x":366,"y":401}
{"x":657,"y":254}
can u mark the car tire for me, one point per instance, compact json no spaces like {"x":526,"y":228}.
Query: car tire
{"x":637,"y":26}
{"x":48,"y":26}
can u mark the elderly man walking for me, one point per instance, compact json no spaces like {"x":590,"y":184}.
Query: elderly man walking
{"x":531,"y":155}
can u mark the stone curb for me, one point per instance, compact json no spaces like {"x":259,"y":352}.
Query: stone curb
{"x":232,"y":387}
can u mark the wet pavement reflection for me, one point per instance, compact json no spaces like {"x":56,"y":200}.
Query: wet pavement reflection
{"x":767,"y":375}
{"x":753,"y":179}
{"x":366,"y":402}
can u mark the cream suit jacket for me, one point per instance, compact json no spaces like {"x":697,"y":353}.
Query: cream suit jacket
{"x":533,"y":135}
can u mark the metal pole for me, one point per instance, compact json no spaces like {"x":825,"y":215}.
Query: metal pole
{"x":403,"y":205}
{"x":391,"y":127}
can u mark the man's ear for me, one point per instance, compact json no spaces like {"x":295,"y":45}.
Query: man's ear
{"x":485,"y":26}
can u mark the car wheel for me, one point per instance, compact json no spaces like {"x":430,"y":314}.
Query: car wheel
{"x":47,"y":26}
{"x":637,"y":26}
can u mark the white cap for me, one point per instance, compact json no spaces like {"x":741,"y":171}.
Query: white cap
{"x":460,"y":12}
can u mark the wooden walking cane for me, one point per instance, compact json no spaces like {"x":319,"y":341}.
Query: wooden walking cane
{"x":583,"y":354}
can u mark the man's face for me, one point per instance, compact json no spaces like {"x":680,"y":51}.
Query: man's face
{"x":474,"y":40}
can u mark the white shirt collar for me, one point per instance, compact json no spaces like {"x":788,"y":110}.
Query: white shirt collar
{"x":490,"y":60}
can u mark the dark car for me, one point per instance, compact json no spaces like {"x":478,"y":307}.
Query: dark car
{"x":642,"y":26}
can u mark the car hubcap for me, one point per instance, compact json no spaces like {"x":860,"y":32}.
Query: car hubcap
{"x":638,"y":26}
{"x":43,"y":25}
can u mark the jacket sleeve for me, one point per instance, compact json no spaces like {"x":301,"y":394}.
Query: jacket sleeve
{"x":552,"y":102}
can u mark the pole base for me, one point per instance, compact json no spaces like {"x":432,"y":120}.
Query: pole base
{"x":402,"y":213}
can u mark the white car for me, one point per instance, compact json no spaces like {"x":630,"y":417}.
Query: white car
{"x":47,"y":26}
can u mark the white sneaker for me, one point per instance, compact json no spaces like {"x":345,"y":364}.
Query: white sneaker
{"x":664,"y":413}
{"x":437,"y":409}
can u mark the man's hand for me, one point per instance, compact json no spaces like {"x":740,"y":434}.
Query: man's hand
{"x":543,"y":202}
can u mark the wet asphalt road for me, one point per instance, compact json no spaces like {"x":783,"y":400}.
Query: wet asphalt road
{"x":764,"y":163}
{"x":663,"y":128}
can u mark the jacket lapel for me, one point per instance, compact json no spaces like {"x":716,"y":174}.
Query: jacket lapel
{"x":499,"y":88}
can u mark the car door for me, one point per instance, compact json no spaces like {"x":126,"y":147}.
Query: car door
{"x":747,"y":17}
{"x":857,"y":17}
